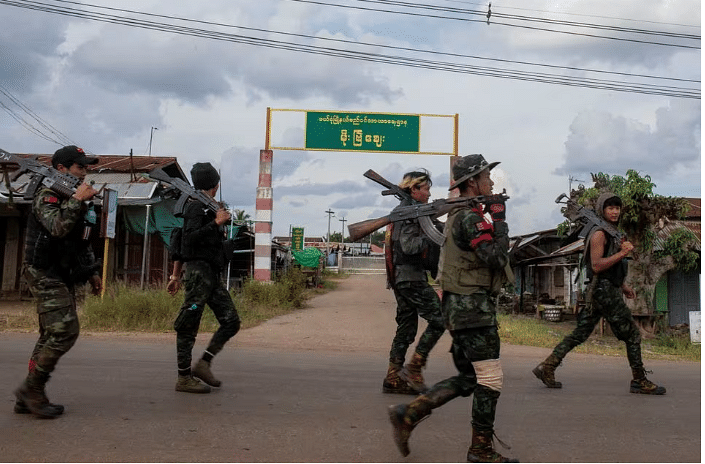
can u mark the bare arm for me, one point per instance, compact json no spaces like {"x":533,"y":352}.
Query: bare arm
{"x":597,"y":250}
{"x":175,"y":279}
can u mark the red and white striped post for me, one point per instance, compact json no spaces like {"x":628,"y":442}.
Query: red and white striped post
{"x":263,"y":219}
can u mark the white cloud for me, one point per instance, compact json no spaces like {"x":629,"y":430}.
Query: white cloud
{"x":105,"y":86}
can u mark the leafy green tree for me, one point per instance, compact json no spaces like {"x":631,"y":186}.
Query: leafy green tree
{"x":242,"y":217}
{"x":336,"y":237}
{"x":644,"y":215}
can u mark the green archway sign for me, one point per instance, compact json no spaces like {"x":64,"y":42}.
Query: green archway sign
{"x":420,"y":134}
{"x":369,"y":132}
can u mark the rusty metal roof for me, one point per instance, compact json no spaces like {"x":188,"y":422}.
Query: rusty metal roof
{"x":124,"y":164}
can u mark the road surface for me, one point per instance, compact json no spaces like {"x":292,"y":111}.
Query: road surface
{"x":306,"y":387}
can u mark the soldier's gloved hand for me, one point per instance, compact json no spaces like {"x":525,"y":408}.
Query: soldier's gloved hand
{"x":496,"y":207}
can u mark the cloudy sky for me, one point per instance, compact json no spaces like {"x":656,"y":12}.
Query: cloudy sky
{"x":204,"y":73}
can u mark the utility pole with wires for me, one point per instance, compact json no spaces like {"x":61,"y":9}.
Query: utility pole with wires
{"x":329,"y":212}
{"x":343,"y":220}
{"x":570,"y":183}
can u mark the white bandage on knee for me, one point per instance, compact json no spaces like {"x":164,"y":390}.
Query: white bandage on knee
{"x":489,"y":373}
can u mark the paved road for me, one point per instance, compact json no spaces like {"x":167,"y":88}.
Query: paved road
{"x":306,"y":388}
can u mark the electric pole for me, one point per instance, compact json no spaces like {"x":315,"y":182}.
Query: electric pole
{"x":343,"y":220}
{"x":329,"y":212}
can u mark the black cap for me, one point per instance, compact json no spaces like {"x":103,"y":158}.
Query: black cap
{"x":71,"y":154}
{"x":204,"y":176}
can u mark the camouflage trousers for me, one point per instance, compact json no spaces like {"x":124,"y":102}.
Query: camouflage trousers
{"x":469,"y":345}
{"x":416,"y":299}
{"x":58,"y":320}
{"x":203,"y":287}
{"x":607,"y":302}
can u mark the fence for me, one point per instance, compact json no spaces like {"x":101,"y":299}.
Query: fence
{"x":362,"y":265}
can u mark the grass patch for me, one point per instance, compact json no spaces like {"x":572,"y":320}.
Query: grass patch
{"x":126,"y":308}
{"x":529,"y":331}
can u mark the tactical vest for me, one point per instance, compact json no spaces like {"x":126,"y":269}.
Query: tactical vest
{"x":462,"y":271}
{"x":407,"y":268}
{"x":61,"y":256}
{"x":618,"y":272}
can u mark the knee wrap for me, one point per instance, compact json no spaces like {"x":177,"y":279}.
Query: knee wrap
{"x":489,"y":373}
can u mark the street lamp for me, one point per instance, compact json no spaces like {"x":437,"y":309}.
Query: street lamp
{"x":151,"y":134}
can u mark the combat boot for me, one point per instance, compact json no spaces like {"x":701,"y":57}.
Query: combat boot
{"x":393,"y":383}
{"x":188,"y":384}
{"x":405,"y":417}
{"x":411,"y":373}
{"x":481,"y":449}
{"x":202,"y":370}
{"x":546,"y":372}
{"x":21,"y":408}
{"x":31,"y":394}
{"x":640,"y":384}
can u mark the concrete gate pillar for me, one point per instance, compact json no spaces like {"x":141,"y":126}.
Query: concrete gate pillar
{"x":263,"y":219}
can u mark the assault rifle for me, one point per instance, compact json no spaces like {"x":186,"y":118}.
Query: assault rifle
{"x":64,"y":184}
{"x":186,"y":192}
{"x":587,"y":219}
{"x":424,"y":212}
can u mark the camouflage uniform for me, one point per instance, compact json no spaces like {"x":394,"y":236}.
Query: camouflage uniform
{"x":607,"y":302}
{"x":472,"y":270}
{"x":56,"y":259}
{"x":415,"y":297}
{"x":202,"y":251}
{"x":472,"y":318}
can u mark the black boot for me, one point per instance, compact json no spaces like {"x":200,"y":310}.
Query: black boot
{"x":31,"y":394}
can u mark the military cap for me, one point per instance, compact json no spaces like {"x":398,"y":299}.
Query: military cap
{"x":469,"y":166}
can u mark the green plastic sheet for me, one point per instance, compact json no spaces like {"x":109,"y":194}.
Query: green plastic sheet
{"x":308,"y":257}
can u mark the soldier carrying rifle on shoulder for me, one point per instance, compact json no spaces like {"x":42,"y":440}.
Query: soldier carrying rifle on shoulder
{"x":473,"y":267}
{"x":413,"y":255}
{"x":606,"y":254}
{"x":58,"y":258}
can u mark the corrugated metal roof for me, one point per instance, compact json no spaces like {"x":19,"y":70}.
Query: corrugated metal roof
{"x":670,"y":227}
{"x":116,"y":163}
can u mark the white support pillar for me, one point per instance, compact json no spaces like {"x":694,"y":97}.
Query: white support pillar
{"x":263,"y":219}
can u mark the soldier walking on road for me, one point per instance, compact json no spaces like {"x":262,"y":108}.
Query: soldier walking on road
{"x":473,"y":267}
{"x":413,"y":253}
{"x":58,"y":257}
{"x":202,"y":253}
{"x":606,"y":268}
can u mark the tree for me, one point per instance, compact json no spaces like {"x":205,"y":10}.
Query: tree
{"x":242,"y":217}
{"x":336,"y":237}
{"x":644,"y":216}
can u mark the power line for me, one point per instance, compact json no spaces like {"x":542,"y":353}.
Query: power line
{"x":581,"y":15}
{"x":512,"y":17}
{"x":47,"y":131}
{"x":635,"y":87}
